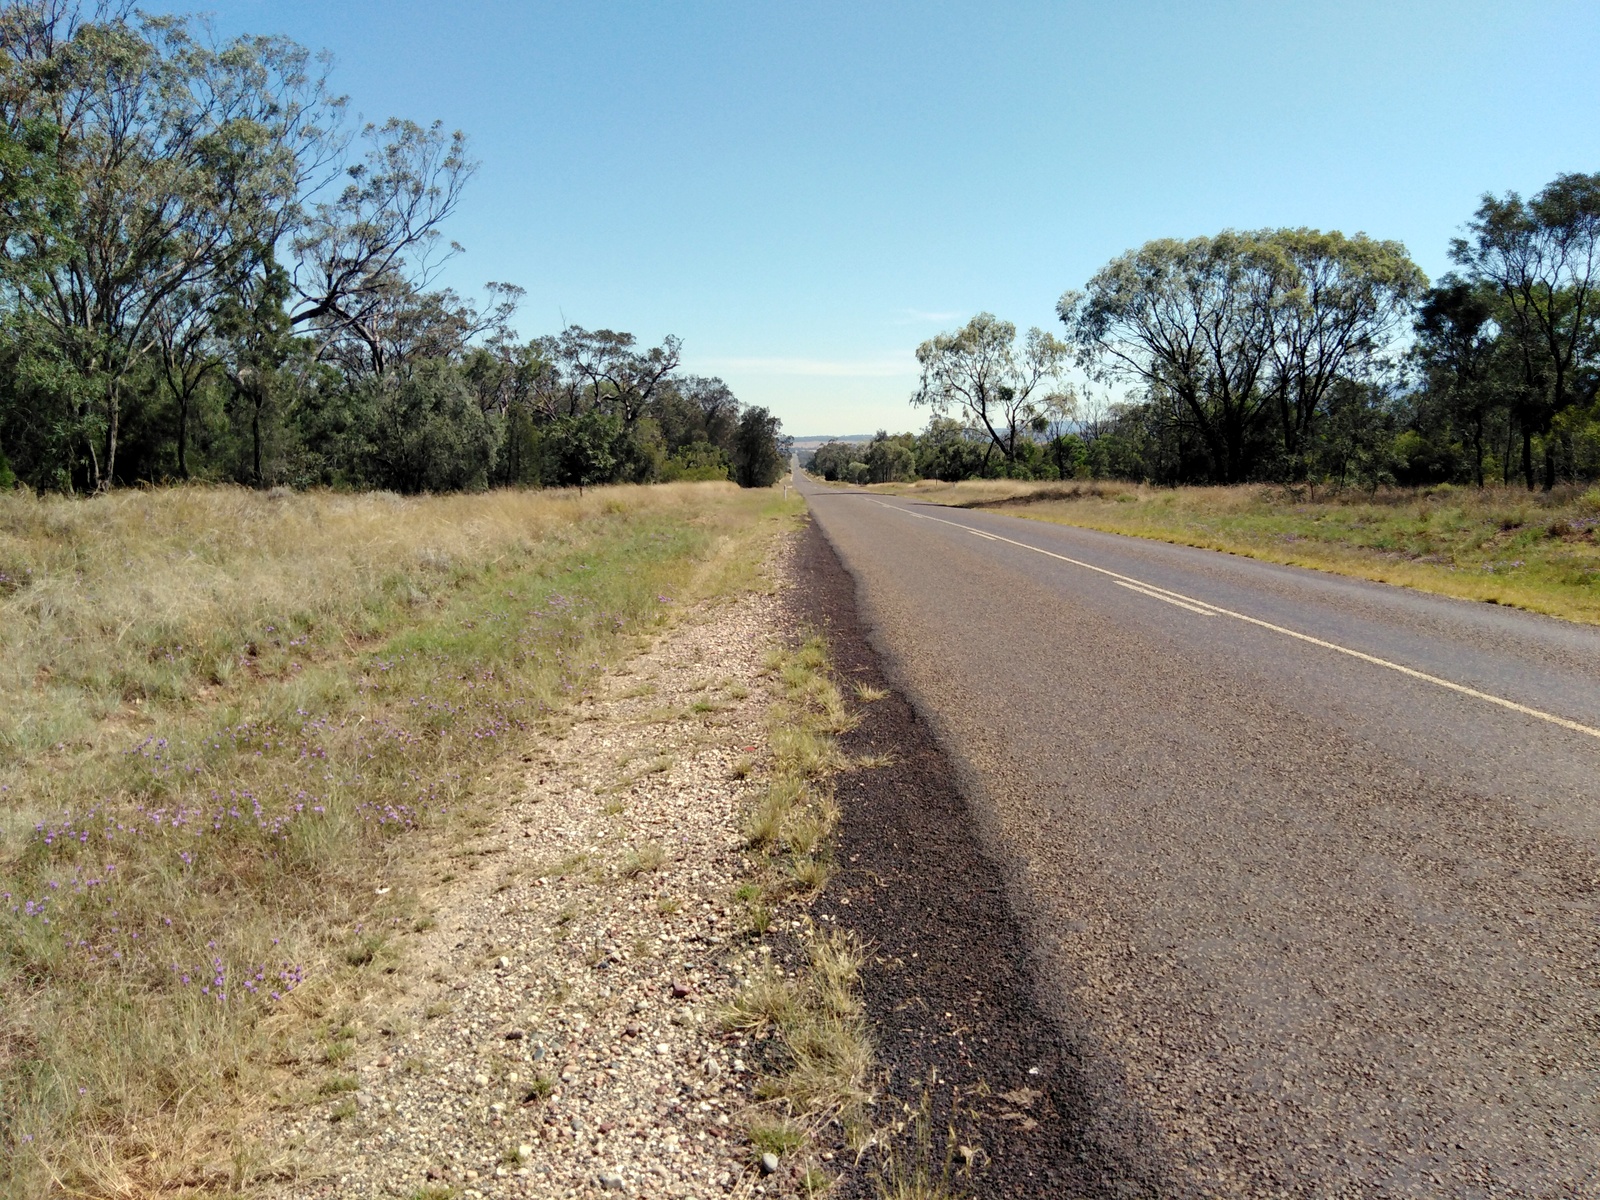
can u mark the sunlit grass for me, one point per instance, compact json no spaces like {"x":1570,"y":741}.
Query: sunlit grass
{"x":1533,"y":550}
{"x":231,"y":726}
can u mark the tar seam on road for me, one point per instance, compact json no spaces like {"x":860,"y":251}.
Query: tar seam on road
{"x":1205,"y":609}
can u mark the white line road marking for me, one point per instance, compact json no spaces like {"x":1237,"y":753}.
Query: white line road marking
{"x":1194,"y":608}
{"x":1208,"y":609}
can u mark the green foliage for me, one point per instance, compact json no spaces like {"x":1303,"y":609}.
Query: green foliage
{"x":697,"y":462}
{"x":1277,"y":355}
{"x":756,"y":460}
{"x":174,"y":304}
{"x":427,"y":433}
{"x":582,"y":450}
{"x":983,"y":375}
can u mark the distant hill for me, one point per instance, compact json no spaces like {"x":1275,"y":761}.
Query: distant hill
{"x":811,"y":443}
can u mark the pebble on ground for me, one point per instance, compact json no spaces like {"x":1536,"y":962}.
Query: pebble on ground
{"x":559,"y":1037}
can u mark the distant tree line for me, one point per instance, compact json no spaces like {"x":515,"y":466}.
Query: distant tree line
{"x":1288,"y":355}
{"x":205,"y":275}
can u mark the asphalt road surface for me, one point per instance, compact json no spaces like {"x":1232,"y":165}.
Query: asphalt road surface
{"x":1311,"y":865}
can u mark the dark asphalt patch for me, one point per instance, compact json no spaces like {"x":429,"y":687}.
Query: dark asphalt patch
{"x":949,"y":989}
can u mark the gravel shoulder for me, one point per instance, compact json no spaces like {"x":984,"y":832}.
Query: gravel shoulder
{"x":555,"y":1033}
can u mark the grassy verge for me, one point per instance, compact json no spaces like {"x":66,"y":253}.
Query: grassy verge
{"x":818,"y":1055}
{"x":230,"y":725}
{"x":1537,"y":551}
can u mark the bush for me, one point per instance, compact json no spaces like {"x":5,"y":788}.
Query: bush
{"x":697,"y":462}
{"x":756,"y":461}
{"x":428,"y":433}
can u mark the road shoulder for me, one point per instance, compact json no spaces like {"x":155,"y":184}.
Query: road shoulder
{"x":962,"y":1043}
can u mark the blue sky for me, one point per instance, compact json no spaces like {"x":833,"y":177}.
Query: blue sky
{"x":805,"y":192}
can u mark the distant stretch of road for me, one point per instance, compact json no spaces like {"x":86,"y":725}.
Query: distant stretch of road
{"x":1312,"y":865}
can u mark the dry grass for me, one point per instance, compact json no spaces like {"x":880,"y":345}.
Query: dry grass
{"x":818,"y":1018}
{"x":825,"y":1065}
{"x":235,"y":731}
{"x":1533,"y":550}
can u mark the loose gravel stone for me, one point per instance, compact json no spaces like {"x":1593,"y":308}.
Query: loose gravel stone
{"x":554,"y":1033}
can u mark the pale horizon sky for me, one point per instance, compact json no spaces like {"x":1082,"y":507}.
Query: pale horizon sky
{"x":804,"y":193}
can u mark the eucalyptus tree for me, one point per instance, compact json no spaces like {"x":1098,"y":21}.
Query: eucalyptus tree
{"x":758,"y":460}
{"x":1542,"y":258}
{"x":184,"y":335}
{"x":1461,"y":351}
{"x":1190,"y":319}
{"x":366,"y":259}
{"x":1337,"y":308}
{"x":980,"y":373}
{"x":183,"y":159}
{"x":607,"y":369}
{"x":1233,"y":330}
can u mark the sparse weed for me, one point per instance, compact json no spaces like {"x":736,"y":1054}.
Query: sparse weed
{"x":767,"y":998}
{"x":819,"y":1021}
{"x":778,"y":1137}
{"x":540,"y":1088}
{"x":826,"y":1060}
{"x":810,"y":874}
{"x":642,"y":859}
{"x":910,"y":1169}
{"x":871,"y":762}
{"x":764,"y":824}
{"x":760,"y":919}
{"x":338,"y":1051}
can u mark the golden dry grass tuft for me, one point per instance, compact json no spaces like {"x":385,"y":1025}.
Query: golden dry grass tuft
{"x":235,"y":730}
{"x":817,"y":1016}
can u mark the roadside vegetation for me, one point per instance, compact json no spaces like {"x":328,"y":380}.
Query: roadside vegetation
{"x":209,"y":272}
{"x":1292,"y":356}
{"x":232,"y":724}
{"x":818,"y":1071}
{"x":1534,"y":550}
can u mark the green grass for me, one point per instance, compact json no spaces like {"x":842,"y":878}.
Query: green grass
{"x":238,"y":735}
{"x":1500,"y":545}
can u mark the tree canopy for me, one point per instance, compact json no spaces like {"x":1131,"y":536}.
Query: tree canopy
{"x":205,"y":274}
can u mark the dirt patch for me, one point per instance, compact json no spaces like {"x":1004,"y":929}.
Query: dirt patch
{"x":949,"y":990}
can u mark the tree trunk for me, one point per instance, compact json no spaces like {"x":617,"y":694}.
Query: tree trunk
{"x":183,"y":436}
{"x":1527,"y":457}
{"x":113,"y":416}
{"x":1477,"y":450}
{"x":1549,"y":463}
{"x":255,"y":437}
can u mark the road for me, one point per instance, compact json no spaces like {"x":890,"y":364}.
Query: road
{"x":1311,"y":865}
